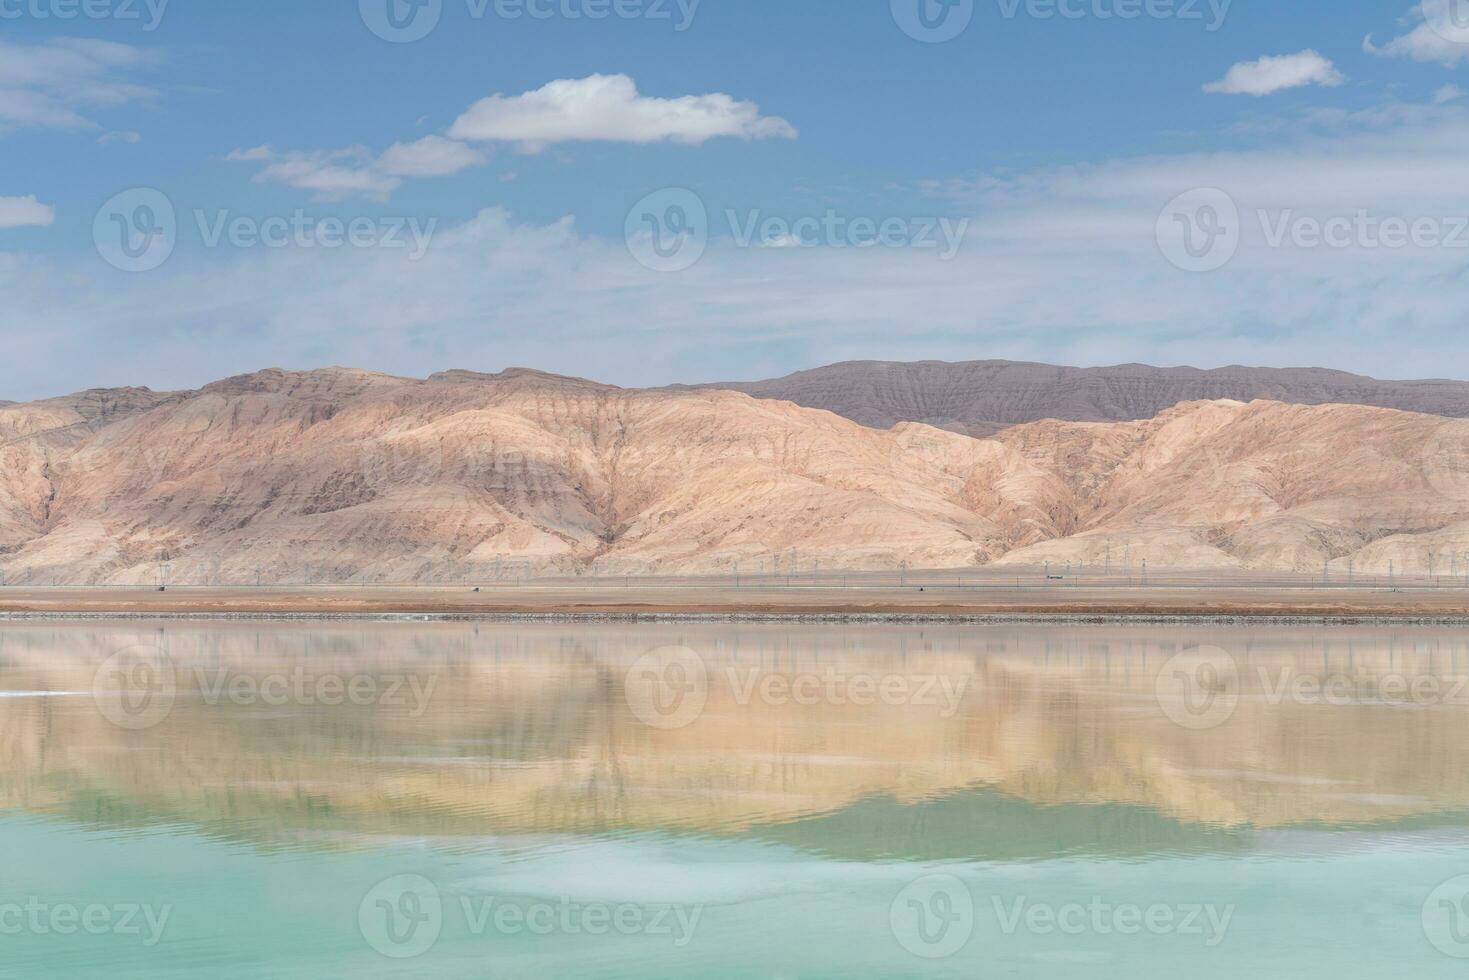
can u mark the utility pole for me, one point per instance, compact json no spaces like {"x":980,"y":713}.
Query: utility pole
{"x":1145,"y":571}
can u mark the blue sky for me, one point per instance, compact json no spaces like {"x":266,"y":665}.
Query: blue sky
{"x":1050,"y":145}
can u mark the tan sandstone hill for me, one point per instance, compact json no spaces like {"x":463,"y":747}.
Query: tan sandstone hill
{"x":349,"y":476}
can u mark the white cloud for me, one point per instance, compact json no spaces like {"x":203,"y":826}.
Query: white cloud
{"x":608,"y":107}
{"x":1277,"y":73}
{"x":20,"y":212}
{"x":330,"y":175}
{"x":124,"y":136}
{"x":1438,"y":35}
{"x":432,"y":156}
{"x":56,"y":84}
{"x":1059,"y":265}
{"x":1447,"y":94}
{"x":601,"y":107}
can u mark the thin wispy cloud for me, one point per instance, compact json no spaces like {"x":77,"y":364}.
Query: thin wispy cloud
{"x":333,"y":175}
{"x":121,"y":136}
{"x":1437,"y":35}
{"x":64,"y":82}
{"x":330,"y":175}
{"x":432,"y":156}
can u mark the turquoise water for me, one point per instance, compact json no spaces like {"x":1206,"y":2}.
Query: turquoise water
{"x":248,"y":800}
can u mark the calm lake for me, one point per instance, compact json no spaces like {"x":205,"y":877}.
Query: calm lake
{"x":279,"y":800}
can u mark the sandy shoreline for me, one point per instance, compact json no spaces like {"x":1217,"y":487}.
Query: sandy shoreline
{"x":886,"y":602}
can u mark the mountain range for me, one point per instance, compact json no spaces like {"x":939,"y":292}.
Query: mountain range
{"x":341,"y":475}
{"x":980,"y":398}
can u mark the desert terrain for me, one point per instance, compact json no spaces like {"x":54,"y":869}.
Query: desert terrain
{"x":348,"y":478}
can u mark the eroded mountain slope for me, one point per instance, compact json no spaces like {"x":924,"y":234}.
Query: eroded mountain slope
{"x":349,"y":476}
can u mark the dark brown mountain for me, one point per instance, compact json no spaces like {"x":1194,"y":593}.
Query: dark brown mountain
{"x":982,"y":397}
